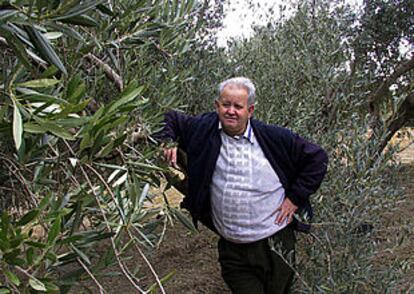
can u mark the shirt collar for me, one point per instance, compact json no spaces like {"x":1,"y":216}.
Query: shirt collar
{"x":248,"y":133}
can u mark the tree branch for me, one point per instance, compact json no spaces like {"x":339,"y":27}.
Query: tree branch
{"x":382,"y":90}
{"x":404,"y":113}
{"x":109,"y":72}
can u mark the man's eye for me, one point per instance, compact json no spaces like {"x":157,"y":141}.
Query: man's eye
{"x":226,"y":105}
{"x":238,"y":106}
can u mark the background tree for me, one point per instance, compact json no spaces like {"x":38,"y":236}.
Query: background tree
{"x":312,"y":77}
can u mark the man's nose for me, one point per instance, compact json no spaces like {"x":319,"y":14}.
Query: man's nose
{"x":231,"y":110}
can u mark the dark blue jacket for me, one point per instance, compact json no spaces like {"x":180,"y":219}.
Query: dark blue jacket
{"x":299,"y":164}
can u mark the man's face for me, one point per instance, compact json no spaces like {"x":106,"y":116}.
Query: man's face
{"x":233,"y":109}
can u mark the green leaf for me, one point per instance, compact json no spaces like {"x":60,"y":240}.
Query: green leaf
{"x":111,"y":146}
{"x":82,"y":20}
{"x":17,"y":126}
{"x":28,"y":217}
{"x":145,"y":166}
{"x":54,"y":128}
{"x":102,"y":8}
{"x":144,"y":194}
{"x":51,"y":256}
{"x":37,"y":285}
{"x":52,"y":287}
{"x":68,"y":31}
{"x":45,"y":201}
{"x":12,"y":277}
{"x":41,"y":83}
{"x":49,"y":72}
{"x":86,"y":142}
{"x":75,"y":90}
{"x":29,"y":255}
{"x":36,"y":244}
{"x":18,"y":48}
{"x":126,"y":97}
{"x":54,"y":230}
{"x":81,"y":254}
{"x":73,"y":122}
{"x":45,"y":49}
{"x":53,"y":35}
{"x":70,"y":109}
{"x":31,"y":95}
{"x":166,"y":278}
{"x":6,"y":13}
{"x":111,"y":166}
{"x":33,"y":128}
{"x":133,"y":190}
{"x":183,"y":219}
{"x":80,"y":9}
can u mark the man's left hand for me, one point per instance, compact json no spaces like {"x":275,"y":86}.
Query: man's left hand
{"x":286,"y":211}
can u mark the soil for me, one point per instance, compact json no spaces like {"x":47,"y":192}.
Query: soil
{"x":193,"y":257}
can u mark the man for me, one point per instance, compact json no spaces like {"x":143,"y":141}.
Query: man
{"x":246,"y":179}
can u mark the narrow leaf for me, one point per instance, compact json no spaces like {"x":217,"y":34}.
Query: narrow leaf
{"x":80,"y":9}
{"x":17,"y":126}
{"x":53,"y":35}
{"x":126,"y":99}
{"x":41,"y":83}
{"x":37,"y":285}
{"x":55,"y":129}
{"x":6,"y":13}
{"x":144,"y":194}
{"x":12,"y":277}
{"x":18,"y":48}
{"x":120,"y":180}
{"x":54,"y":230}
{"x":81,"y":20}
{"x":44,"y":47}
{"x":81,"y":255}
{"x":28,"y":217}
{"x":183,"y":219}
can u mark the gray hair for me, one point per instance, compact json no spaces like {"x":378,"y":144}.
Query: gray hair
{"x":242,"y":82}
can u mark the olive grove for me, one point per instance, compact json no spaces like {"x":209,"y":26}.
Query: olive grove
{"x":84,"y":85}
{"x":341,"y":77}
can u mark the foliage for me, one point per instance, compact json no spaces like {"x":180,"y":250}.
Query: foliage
{"x":83,"y":85}
{"x":308,"y":79}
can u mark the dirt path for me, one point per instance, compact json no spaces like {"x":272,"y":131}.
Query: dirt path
{"x":406,"y":252}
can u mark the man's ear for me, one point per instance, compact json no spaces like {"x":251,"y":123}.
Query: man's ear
{"x":251,"y":109}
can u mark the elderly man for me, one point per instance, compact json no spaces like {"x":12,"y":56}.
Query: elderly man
{"x":246,"y":180}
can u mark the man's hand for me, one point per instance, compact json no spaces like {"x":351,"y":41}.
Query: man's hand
{"x":170,"y":155}
{"x":286,"y":210}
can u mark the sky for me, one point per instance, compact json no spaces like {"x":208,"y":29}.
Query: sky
{"x":239,"y":17}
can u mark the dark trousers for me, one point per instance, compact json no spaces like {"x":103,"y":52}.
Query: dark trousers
{"x":255,"y":268}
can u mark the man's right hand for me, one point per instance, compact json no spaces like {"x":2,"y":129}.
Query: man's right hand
{"x":170,"y":155}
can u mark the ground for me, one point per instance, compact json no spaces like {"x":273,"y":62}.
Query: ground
{"x":193,"y":257}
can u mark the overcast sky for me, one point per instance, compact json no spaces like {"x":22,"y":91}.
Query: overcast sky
{"x":239,"y":17}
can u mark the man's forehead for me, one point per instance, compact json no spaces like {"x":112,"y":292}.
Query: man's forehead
{"x":235,"y":89}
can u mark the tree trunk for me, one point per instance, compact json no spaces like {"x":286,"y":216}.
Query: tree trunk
{"x":405,"y":114}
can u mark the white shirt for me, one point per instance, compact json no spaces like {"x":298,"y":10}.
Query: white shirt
{"x":245,"y":190}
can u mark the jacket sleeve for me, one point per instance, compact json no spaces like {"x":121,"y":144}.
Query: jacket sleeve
{"x":311,"y":163}
{"x":176,"y":128}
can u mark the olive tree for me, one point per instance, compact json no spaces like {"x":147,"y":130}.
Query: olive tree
{"x":317,"y":73}
{"x":83,"y":85}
